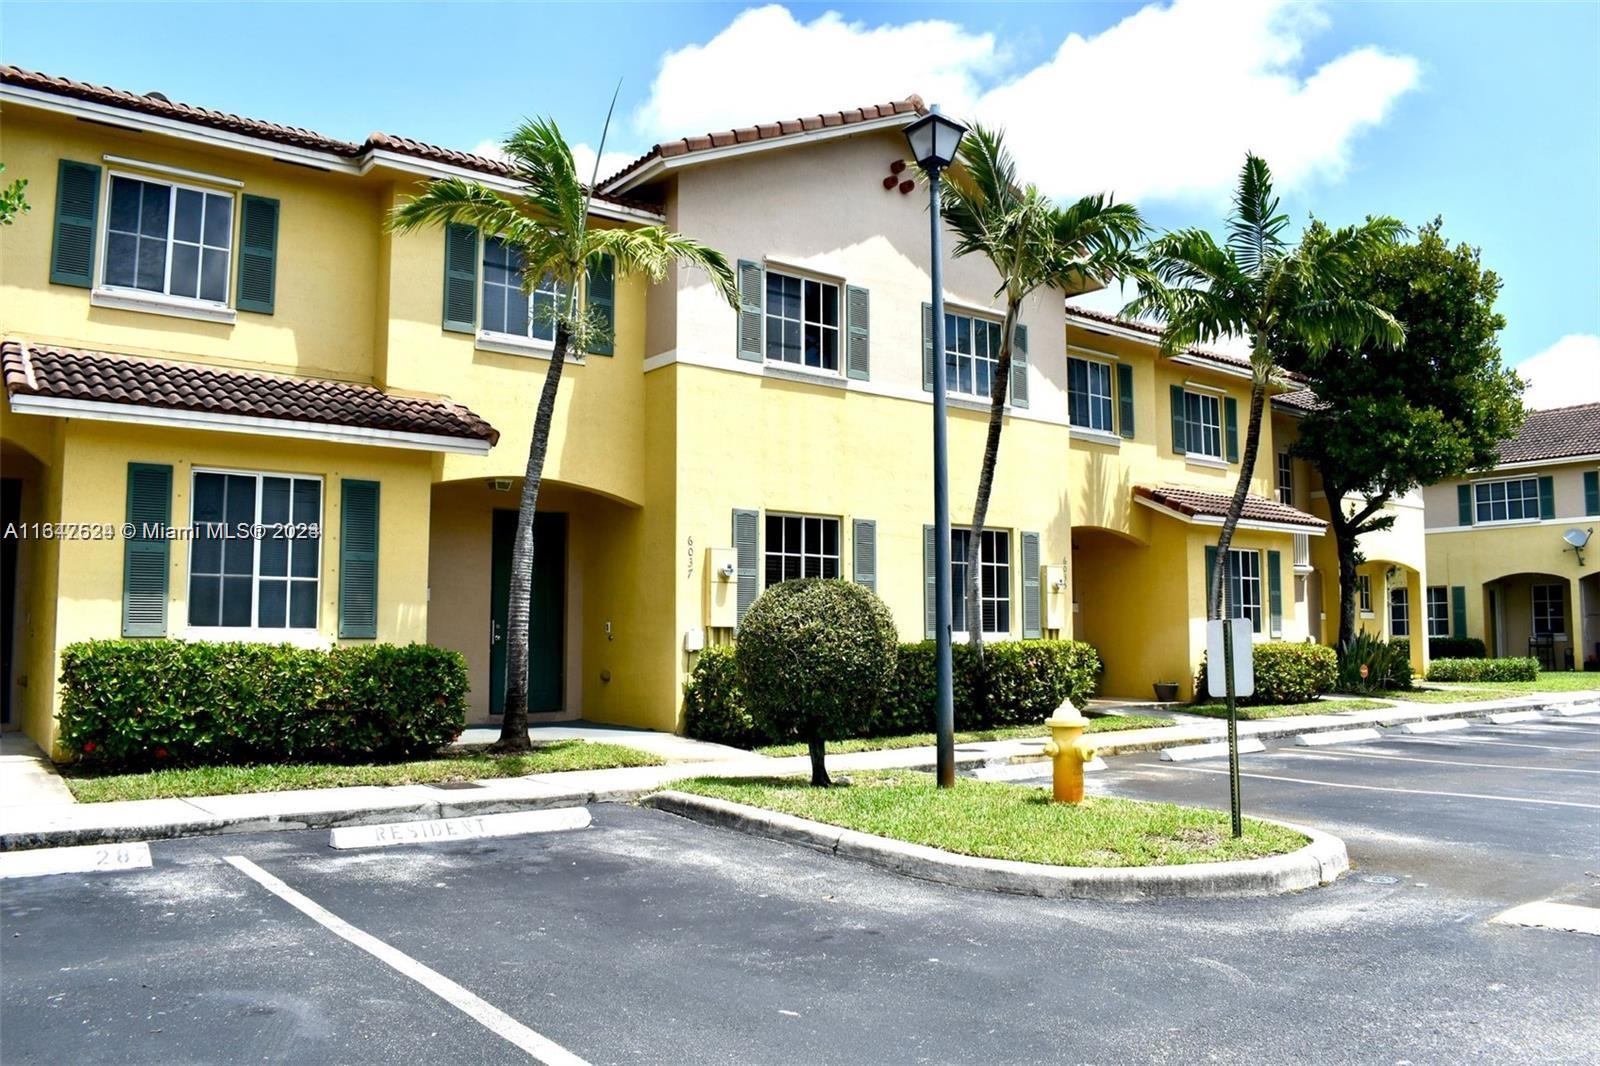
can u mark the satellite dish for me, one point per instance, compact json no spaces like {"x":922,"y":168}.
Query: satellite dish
{"x":1577,"y":537}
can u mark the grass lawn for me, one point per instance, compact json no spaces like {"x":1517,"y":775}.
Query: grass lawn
{"x":1433,"y":692}
{"x":999,"y":820}
{"x":919,"y":740}
{"x":1564,"y":681}
{"x":1285,"y":710}
{"x":90,"y":787}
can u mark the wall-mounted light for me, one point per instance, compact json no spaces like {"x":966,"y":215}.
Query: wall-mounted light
{"x":499,"y":484}
{"x":727,"y":571}
{"x":1577,"y":540}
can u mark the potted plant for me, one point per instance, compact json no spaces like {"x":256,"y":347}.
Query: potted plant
{"x":1166,"y":691}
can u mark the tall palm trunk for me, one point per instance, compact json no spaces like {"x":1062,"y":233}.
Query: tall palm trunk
{"x":991,"y":456}
{"x":514,"y":724}
{"x":1252,"y":445}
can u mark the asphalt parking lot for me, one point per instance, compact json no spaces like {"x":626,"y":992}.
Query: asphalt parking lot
{"x":645,"y":938}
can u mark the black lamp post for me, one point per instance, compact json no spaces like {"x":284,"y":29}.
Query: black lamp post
{"x":934,"y":141}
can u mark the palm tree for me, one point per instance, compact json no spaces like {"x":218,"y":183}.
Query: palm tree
{"x":1031,"y":243}
{"x":546,"y":221}
{"x":1269,"y":292}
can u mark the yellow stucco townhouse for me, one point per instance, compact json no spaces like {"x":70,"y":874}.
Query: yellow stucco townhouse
{"x":204,"y":320}
{"x":1510,"y":555}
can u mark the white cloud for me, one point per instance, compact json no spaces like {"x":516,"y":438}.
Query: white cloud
{"x":1566,"y":373}
{"x":582,"y":158}
{"x":1162,"y":105}
{"x":766,"y":65}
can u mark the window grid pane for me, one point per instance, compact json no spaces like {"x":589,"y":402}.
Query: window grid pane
{"x":994,"y":581}
{"x":802,"y":322}
{"x":801,"y":546}
{"x":1438,"y":611}
{"x":238,"y":580}
{"x":1285,"y":479}
{"x":972,"y":352}
{"x":1244,"y":584}
{"x":168,"y":239}
{"x":1400,"y":612}
{"x":1549,"y":614}
{"x":1203,"y":424}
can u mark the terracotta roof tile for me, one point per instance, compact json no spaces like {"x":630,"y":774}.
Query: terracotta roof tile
{"x":1555,"y":434}
{"x":1301,"y":400}
{"x":1154,"y":331}
{"x":74,"y":374}
{"x":1195,"y":503}
{"x":911,"y":105}
{"x":155,"y":104}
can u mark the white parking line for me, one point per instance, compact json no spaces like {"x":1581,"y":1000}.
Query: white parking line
{"x":1408,"y":791}
{"x":1492,"y":743}
{"x":490,"y":1017}
{"x":1441,"y":762}
{"x":1567,"y":917}
{"x":79,"y":859}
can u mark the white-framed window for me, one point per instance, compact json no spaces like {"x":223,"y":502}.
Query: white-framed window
{"x":1285,"y":478}
{"x":1089,"y":395}
{"x":1438,"y":611}
{"x":971,"y":354}
{"x":1510,"y":500}
{"x":802,"y":322}
{"x":1202,"y":424}
{"x":507,"y":310}
{"x":1400,"y":612}
{"x":994,"y":581}
{"x":255,"y":558}
{"x":1549,"y":612}
{"x":1364,"y":593}
{"x":1244,"y":585}
{"x":801,"y":546}
{"x":167,"y":238}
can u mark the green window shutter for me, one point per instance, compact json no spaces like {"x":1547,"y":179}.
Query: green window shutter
{"x":1019,"y":368}
{"x":747,"y":559}
{"x":1125,"y":400}
{"x":1032,"y":622}
{"x":1179,"y":444}
{"x":1230,"y":418}
{"x":358,"y":558}
{"x":145,"y":554}
{"x":1547,"y":497}
{"x":77,"y":213}
{"x":460,"y":278}
{"x":751,"y":281}
{"x":602,"y":297}
{"x":1211,"y":568}
{"x":1275,"y":592}
{"x":258,"y":254}
{"x":1591,"y":492}
{"x":1458,"y":610}
{"x":927,"y":347}
{"x":1464,"y":504}
{"x":858,"y":347}
{"x":930,"y":597}
{"x":864,"y":553}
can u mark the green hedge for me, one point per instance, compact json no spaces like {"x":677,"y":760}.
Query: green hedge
{"x":1285,"y":672}
{"x":1019,"y":682}
{"x":166,"y":702}
{"x":1523,"y":669}
{"x":1456,"y":648}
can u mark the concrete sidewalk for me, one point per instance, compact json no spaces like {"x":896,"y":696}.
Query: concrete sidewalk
{"x":51,"y":826}
{"x":28,"y":779}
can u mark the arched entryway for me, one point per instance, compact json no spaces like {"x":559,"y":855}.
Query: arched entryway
{"x":1533,"y":614}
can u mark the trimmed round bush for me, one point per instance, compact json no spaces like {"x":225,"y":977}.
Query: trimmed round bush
{"x":139,"y":703}
{"x":1518,"y":669}
{"x":713,"y":705}
{"x":815,"y":658}
{"x":1285,"y":672}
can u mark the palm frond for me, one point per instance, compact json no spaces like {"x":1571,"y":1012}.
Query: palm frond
{"x":652,"y":250}
{"x":1255,"y":226}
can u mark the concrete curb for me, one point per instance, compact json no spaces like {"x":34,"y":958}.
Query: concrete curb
{"x":1318,"y":863}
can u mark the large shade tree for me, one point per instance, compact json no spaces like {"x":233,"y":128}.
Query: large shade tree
{"x":546,"y":223}
{"x":1032,"y":243}
{"x":1387,"y":421}
{"x":1259,"y":286}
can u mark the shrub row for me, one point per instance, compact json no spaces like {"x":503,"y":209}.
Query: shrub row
{"x":1523,"y":669}
{"x":1018,"y":682}
{"x":1285,"y":672}
{"x":164,"y":702}
{"x":1456,"y":648}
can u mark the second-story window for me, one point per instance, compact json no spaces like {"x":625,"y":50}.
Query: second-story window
{"x":1202,"y":417}
{"x":1285,"y":479}
{"x":1507,"y":501}
{"x":506,"y":308}
{"x":1089,"y":395}
{"x":802,"y":322}
{"x":170,"y":239}
{"x":971,"y":353}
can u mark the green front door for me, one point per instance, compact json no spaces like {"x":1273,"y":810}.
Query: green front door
{"x":546,"y":614}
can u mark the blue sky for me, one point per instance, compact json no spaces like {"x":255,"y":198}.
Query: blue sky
{"x":1488,"y":114}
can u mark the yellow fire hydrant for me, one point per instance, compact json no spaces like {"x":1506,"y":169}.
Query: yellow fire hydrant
{"x":1067,"y":753}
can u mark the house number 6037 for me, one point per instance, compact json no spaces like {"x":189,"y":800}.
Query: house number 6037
{"x":689,"y":551}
